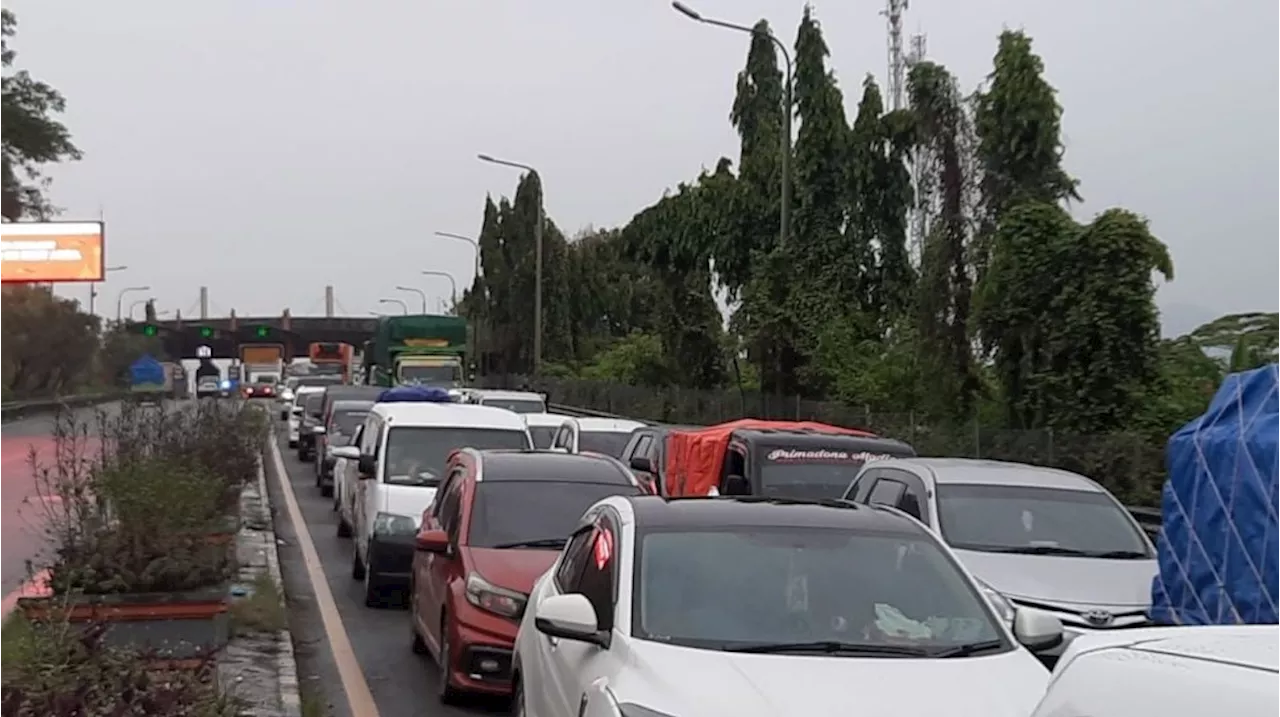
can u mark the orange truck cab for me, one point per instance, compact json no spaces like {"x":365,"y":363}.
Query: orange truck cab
{"x":796,"y":459}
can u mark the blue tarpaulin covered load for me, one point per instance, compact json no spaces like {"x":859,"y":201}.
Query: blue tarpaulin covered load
{"x":1218,"y":550}
{"x":416,"y":394}
{"x":147,"y":374}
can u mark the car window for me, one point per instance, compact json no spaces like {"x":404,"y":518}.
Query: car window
{"x":417,"y":455}
{"x":861,"y":485}
{"x":370,"y":437}
{"x":542,"y":436}
{"x":609,"y":443}
{"x":574,"y":558}
{"x":643,"y":446}
{"x":886,"y":491}
{"x":345,"y":422}
{"x":1011,"y":518}
{"x":312,"y":404}
{"x":721,"y":588}
{"x":562,"y":437}
{"x":451,"y":511}
{"x":509,"y":513}
{"x":454,"y":476}
{"x":598,"y":579}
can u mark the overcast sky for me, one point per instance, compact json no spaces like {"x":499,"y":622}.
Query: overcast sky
{"x":267,"y":148}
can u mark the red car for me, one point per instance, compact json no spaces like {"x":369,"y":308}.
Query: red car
{"x":260,"y":390}
{"x":498,"y":522}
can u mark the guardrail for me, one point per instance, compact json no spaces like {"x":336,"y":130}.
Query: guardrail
{"x":14,"y":410}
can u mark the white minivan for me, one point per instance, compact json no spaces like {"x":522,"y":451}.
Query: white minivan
{"x":395,"y":461}
{"x":1197,"y":671}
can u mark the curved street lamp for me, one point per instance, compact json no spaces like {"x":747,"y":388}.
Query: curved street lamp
{"x":537,"y":252}
{"x":404,"y":308}
{"x":421,"y":294}
{"x":120,"y":299}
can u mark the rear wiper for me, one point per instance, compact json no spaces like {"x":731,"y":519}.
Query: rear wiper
{"x":971,"y":648}
{"x":830,"y":647}
{"x":540,"y":543}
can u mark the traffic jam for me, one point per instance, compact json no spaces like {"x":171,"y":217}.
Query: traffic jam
{"x":614,"y":568}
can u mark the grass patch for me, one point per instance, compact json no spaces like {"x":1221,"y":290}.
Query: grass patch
{"x":311,"y":703}
{"x":17,"y":639}
{"x":262,"y":610}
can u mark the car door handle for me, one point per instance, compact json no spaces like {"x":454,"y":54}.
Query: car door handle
{"x":553,"y":641}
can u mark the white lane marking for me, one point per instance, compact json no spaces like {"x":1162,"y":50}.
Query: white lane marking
{"x":359,"y":698}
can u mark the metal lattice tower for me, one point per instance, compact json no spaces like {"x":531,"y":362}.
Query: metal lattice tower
{"x":919,"y":218}
{"x":897,"y":60}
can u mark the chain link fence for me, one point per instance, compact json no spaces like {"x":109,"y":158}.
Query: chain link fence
{"x":1128,"y":464}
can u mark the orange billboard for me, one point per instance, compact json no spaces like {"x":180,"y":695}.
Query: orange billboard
{"x":51,"y":251}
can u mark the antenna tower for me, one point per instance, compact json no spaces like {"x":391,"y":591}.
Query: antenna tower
{"x":919,"y":216}
{"x":892,"y":11}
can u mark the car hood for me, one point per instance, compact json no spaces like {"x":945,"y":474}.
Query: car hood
{"x":1061,"y":579}
{"x":512,"y":568}
{"x":696,"y":683}
{"x":410,"y":500}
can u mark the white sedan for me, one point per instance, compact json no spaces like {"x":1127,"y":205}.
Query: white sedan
{"x":761,"y":608}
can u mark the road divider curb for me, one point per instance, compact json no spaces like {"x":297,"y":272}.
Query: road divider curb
{"x":15,"y":410}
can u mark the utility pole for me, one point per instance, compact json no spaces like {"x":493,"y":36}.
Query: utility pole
{"x":204,"y":303}
{"x":328,"y":301}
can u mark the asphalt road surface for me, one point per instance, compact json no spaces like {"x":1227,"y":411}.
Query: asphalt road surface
{"x":402,"y":684}
{"x":23,"y":501}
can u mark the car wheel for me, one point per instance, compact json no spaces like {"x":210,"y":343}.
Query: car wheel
{"x":447,"y":693}
{"x":357,"y":565}
{"x":344,"y":528}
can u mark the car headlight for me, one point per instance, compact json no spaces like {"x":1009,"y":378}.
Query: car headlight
{"x":392,"y":524}
{"x":999,"y":603}
{"x":491,"y":598}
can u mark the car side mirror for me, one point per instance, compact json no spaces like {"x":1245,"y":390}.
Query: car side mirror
{"x":433,"y":541}
{"x":641,"y":464}
{"x":347,"y":452}
{"x":296,"y":410}
{"x":319,"y":430}
{"x":570,"y":617}
{"x":1037,"y":630}
{"x":737,"y":485}
{"x":368,"y":466}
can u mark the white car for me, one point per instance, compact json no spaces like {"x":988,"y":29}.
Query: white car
{"x":395,"y":463}
{"x":597,"y":435}
{"x":518,"y":401}
{"x":1168,"y":672}
{"x":543,"y":427}
{"x":768,"y":608}
{"x":1040,"y":537}
{"x":295,"y":411}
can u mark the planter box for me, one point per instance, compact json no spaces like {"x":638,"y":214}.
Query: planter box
{"x":176,"y":627}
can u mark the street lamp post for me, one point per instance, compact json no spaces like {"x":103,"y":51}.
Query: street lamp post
{"x":421,"y":294}
{"x":784,"y":219}
{"x":404,"y":308}
{"x":453,"y":285}
{"x":537,"y":271}
{"x":120,"y":300}
{"x":475,"y":245}
{"x":93,"y":285}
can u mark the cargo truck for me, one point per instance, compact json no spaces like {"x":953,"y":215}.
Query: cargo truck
{"x":262,"y":363}
{"x":417,"y":349}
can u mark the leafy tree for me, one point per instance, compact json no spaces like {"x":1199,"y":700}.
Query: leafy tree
{"x":1245,"y":340}
{"x":637,"y":360}
{"x":1019,"y":127}
{"x":32,"y":138}
{"x":49,"y":345}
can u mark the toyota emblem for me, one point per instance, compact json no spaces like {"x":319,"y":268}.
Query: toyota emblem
{"x":1099,"y":618}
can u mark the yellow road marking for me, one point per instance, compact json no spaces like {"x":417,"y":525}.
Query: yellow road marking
{"x":359,"y":698}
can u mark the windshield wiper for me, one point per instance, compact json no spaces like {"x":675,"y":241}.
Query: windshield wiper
{"x":830,"y":647}
{"x":1120,"y":554}
{"x":540,"y":543}
{"x":1042,"y":550}
{"x":971,"y":648}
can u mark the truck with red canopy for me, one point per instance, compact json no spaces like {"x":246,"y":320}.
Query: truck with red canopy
{"x":799,"y":459}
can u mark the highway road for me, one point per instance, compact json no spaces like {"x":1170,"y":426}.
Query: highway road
{"x":23,"y":507}
{"x":402,"y":684}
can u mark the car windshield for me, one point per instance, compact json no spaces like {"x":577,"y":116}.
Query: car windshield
{"x":1000,"y":518}
{"x":317,"y":381}
{"x":436,"y":375}
{"x":417,"y":455}
{"x":807,"y":480}
{"x":737,"y":587}
{"x":516,"y":404}
{"x":311,"y":404}
{"x":542,"y":436}
{"x":517,"y":513}
{"x":266,"y":379}
{"x":610,"y":443}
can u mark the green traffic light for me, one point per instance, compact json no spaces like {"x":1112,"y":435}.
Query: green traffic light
{"x":206,"y":332}
{"x":150,"y":330}
{"x":263,"y":331}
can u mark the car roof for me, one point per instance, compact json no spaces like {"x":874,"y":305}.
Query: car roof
{"x":545,"y":419}
{"x":664,"y":512}
{"x":607,"y":425}
{"x":810,"y":437}
{"x":338,"y":392}
{"x":978,"y":471}
{"x":460,"y":415}
{"x":550,"y":467}
{"x":523,"y":395}
{"x":351,"y":404}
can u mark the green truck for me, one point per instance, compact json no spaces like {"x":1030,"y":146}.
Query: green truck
{"x":423,"y":349}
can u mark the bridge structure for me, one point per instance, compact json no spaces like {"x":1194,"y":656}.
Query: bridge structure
{"x":224,"y":337}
